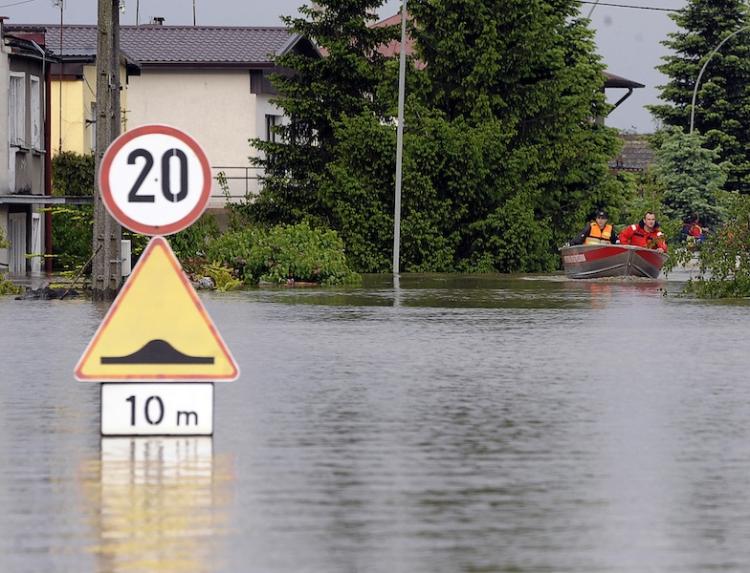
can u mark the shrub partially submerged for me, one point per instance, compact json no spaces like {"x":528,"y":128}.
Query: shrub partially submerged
{"x":283,"y":254}
{"x":7,"y":287}
{"x":725,"y":257}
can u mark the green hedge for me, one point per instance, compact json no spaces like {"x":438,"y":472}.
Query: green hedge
{"x":283,"y":254}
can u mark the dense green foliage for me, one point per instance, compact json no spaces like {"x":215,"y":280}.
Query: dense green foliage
{"x":72,"y":236}
{"x":190,"y":245}
{"x":73,"y":174}
{"x":691,"y":175}
{"x":72,"y":225}
{"x":502,"y":157}
{"x":317,"y":95}
{"x":7,"y":287}
{"x":725,"y":256}
{"x":284,"y":254}
{"x":722,"y":110}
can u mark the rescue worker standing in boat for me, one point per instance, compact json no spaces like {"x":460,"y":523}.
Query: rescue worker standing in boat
{"x":644,"y":234}
{"x":597,"y":232}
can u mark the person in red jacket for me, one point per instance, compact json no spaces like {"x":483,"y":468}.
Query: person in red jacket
{"x":644,"y":234}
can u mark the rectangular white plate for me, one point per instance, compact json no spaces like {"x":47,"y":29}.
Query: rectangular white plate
{"x":146,"y":409}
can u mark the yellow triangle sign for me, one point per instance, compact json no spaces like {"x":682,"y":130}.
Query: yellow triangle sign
{"x":157,"y":329}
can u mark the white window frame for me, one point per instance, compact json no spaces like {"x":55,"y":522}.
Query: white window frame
{"x":36,"y":112}
{"x":17,"y":110}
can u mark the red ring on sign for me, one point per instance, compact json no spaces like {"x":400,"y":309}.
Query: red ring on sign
{"x":106,"y":190}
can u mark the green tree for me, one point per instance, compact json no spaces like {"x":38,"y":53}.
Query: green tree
{"x":533,"y":68}
{"x":725,"y":256}
{"x":722,"y":111}
{"x":691,"y":176}
{"x":503,"y":157}
{"x":317,"y":93}
{"x":72,"y":225}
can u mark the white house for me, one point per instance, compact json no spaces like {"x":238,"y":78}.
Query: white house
{"x":210,"y":81}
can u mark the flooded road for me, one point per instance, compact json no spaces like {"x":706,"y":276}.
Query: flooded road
{"x":459,"y":424}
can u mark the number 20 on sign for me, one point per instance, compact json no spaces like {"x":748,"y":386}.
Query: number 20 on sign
{"x":157,"y":335}
{"x":155,"y":180}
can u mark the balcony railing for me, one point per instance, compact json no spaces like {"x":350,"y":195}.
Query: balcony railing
{"x":239,"y":182}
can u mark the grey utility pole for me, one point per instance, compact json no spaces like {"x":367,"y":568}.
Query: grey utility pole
{"x":105,"y":273}
{"x":399,"y":147}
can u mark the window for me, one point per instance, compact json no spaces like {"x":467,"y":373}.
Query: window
{"x":271,"y":122}
{"x":36,"y":113}
{"x":256,"y":82}
{"x":17,"y":110}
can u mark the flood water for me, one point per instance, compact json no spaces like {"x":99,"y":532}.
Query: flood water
{"x":459,"y":424}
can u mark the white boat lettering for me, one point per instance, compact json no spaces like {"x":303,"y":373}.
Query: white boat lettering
{"x":574,"y":258}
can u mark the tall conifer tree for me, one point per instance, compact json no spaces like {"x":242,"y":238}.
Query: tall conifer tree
{"x":315,"y":94}
{"x":532,"y":66}
{"x":722,"y":112}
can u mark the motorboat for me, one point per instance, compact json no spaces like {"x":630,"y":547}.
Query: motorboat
{"x":607,"y":260}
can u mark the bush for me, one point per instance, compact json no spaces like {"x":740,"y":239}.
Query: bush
{"x":190,"y":245}
{"x":222,"y":276}
{"x":233,"y":249}
{"x":7,"y":287}
{"x":73,"y":174}
{"x":72,"y":236}
{"x":284,"y":253}
{"x":512,"y":239}
{"x":300,"y":253}
{"x":725,"y":257}
{"x":72,"y":225}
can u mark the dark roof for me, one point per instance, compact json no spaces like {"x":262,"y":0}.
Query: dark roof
{"x":613,"y":81}
{"x":178,"y":45}
{"x":636,"y":154}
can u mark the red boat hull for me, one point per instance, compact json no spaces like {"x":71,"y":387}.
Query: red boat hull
{"x":597,"y":261}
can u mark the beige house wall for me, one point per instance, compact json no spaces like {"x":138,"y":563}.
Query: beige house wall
{"x":70,"y":93}
{"x":78,"y":96}
{"x":214,"y":107}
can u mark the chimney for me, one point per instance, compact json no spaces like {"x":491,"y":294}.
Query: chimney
{"x":158,"y":21}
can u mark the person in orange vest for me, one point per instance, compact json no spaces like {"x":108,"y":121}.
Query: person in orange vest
{"x":692,"y":232}
{"x":646,"y":233}
{"x":597,"y":232}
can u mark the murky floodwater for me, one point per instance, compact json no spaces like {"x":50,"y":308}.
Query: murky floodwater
{"x":523,"y":424}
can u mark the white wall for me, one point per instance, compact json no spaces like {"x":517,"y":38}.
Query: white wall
{"x":4,"y":183}
{"x":4,"y":86}
{"x":215,"y":107}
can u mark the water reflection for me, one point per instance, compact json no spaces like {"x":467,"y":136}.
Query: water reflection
{"x":158,"y":504}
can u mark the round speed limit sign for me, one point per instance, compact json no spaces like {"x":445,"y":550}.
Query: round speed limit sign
{"x":155,"y":180}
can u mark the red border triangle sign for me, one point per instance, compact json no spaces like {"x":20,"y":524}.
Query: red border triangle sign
{"x":157,"y":330}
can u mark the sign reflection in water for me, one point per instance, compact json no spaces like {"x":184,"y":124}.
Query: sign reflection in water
{"x":158,"y":504}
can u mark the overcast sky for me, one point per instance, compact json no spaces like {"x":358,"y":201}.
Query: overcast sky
{"x":628,"y":39}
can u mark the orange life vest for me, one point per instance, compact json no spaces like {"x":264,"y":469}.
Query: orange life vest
{"x":598,"y":236}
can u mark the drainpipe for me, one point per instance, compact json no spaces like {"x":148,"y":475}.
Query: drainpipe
{"x":47,"y":157}
{"x":622,"y":99}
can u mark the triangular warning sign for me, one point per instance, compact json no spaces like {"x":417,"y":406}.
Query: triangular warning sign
{"x":157,"y":329}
